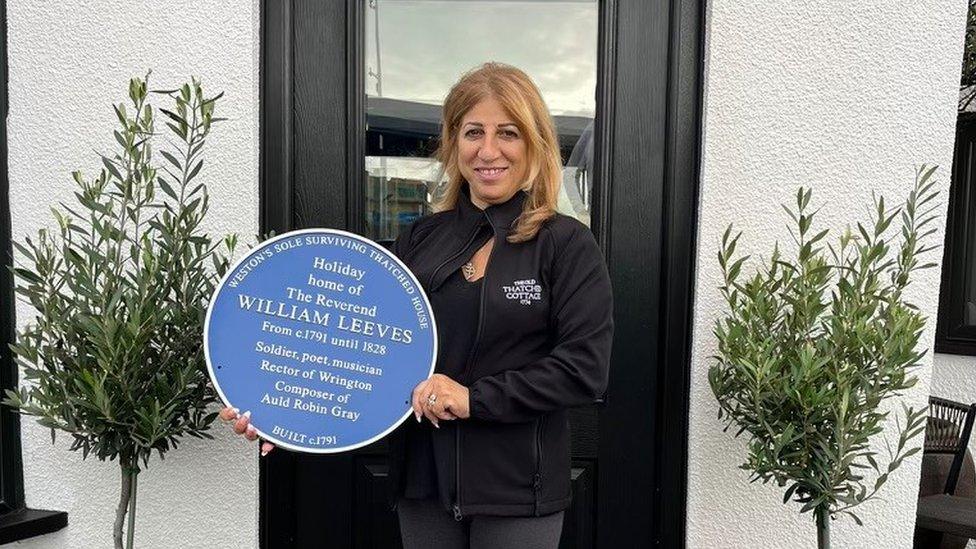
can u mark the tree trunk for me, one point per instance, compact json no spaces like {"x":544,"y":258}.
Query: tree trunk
{"x":123,"y":505}
{"x":131,"y":530}
{"x":823,"y":527}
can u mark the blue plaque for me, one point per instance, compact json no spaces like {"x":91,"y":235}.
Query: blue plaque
{"x":322,"y":335}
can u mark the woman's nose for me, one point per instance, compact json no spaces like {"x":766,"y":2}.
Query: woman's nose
{"x":489,"y":149}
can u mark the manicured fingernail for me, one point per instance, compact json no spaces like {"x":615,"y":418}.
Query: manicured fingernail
{"x":251,"y":430}
{"x":247,"y":414}
{"x":418,"y":417}
{"x":264,"y":453}
{"x":436,"y":425}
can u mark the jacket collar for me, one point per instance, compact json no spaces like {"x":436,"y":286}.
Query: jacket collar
{"x":500,"y":216}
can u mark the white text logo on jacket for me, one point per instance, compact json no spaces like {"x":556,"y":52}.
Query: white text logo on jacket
{"x":523,"y":291}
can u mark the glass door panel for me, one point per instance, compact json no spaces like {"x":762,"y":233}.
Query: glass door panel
{"x":415,"y":50}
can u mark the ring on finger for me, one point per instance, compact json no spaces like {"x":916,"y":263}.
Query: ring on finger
{"x":431,"y":399}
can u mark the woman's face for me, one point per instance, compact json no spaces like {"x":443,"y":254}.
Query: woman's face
{"x":491,"y":153}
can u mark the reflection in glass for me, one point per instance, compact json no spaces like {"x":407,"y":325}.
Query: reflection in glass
{"x":417,"y":49}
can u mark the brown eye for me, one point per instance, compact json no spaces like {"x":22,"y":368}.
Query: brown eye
{"x":473,"y":132}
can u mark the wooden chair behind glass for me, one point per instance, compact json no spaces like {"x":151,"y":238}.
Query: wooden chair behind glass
{"x":947,"y":434}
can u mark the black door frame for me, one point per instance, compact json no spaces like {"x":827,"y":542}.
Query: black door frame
{"x":649,"y":132}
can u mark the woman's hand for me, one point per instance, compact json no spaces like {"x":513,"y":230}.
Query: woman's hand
{"x":242,"y":426}
{"x":440,"y":397}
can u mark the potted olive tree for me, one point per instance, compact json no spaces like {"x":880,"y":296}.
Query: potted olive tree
{"x":812,"y":346}
{"x":120,"y":285}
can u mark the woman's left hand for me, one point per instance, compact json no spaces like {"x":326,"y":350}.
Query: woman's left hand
{"x":440,"y":397}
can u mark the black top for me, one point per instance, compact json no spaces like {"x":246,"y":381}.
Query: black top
{"x":545,"y":328}
{"x":455,"y":335}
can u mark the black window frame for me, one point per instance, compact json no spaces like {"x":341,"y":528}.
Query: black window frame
{"x":953,"y":335}
{"x":17,"y":522}
{"x":11,"y":474}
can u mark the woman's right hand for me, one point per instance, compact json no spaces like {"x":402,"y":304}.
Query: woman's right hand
{"x":242,"y":426}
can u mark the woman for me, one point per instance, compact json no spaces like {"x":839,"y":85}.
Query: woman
{"x":523,"y":307}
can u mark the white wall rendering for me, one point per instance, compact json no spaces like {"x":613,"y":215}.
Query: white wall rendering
{"x":69,"y":62}
{"x":846,"y":97}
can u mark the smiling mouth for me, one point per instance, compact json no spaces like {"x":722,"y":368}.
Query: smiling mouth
{"x":490,"y":171}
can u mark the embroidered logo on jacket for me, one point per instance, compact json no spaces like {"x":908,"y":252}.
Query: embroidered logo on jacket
{"x":523,"y":291}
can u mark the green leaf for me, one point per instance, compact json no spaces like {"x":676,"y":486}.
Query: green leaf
{"x":110,"y":166}
{"x":880,"y":481}
{"x":172,"y":159}
{"x":789,"y":492}
{"x":29,"y":276}
{"x":194,"y":171}
{"x":178,"y":130}
{"x":927,"y":172}
{"x":173,"y":116}
{"x":164,"y":185}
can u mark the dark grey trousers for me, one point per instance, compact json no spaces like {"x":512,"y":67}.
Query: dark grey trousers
{"x":424,"y":524}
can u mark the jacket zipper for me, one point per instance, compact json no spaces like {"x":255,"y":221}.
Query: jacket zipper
{"x":481,"y":321}
{"x":457,"y":472}
{"x":457,"y":429}
{"x":474,"y":233}
{"x":537,"y":478}
{"x":467,"y":368}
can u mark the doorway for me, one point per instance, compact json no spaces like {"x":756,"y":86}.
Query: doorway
{"x":349,"y":105}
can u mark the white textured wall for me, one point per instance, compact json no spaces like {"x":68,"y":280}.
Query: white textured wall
{"x":69,"y":61}
{"x":846,"y":97}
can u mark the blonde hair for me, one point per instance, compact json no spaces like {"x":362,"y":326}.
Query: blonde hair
{"x":521,"y":99}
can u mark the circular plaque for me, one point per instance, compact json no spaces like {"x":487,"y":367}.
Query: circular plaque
{"x":322,"y":335}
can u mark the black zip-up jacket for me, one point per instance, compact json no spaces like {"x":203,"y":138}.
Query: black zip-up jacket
{"x":542,"y":346}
